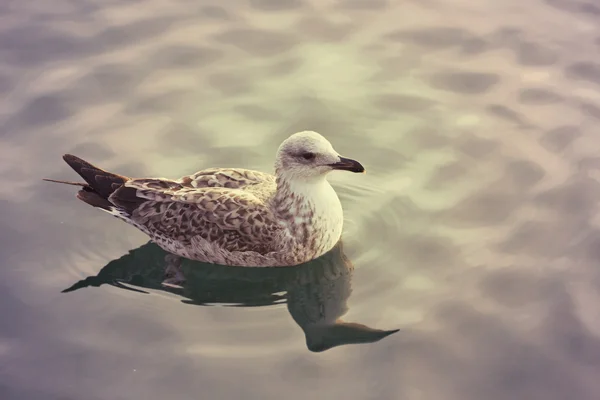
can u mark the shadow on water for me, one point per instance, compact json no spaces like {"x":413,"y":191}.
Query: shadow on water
{"x":316,"y":293}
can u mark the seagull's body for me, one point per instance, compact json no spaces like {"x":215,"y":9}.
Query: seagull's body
{"x":233,"y":216}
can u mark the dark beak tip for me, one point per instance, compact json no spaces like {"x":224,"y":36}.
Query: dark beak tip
{"x":347,"y":164}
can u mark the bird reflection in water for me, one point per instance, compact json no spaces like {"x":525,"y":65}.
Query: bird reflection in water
{"x":316,"y":292}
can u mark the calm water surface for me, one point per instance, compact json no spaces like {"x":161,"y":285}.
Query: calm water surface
{"x":475,"y":231}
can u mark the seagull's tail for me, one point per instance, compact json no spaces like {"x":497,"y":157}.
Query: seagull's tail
{"x":99,"y":184}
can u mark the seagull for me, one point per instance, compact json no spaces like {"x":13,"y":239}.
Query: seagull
{"x":232,"y":216}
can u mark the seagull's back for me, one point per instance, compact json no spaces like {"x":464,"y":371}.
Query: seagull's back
{"x":232,"y":178}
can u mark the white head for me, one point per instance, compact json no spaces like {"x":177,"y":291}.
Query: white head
{"x":308,"y":155}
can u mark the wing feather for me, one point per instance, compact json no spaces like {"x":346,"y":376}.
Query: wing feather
{"x":234,"y":219}
{"x":233,"y":178}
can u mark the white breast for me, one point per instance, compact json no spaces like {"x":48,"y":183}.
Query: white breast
{"x":327,"y":215}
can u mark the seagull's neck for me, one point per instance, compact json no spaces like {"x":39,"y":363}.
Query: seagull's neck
{"x":311,"y":212}
{"x":301,"y":193}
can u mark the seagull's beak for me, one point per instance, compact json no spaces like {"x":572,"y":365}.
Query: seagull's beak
{"x":347,"y":164}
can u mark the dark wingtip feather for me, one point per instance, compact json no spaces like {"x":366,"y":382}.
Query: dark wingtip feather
{"x":69,"y":158}
{"x":66,"y":182}
{"x":78,"y":164}
{"x":102,"y":182}
{"x":94,"y":199}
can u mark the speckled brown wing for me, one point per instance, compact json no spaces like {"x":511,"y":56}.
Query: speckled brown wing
{"x":233,"y":178}
{"x":233,"y":219}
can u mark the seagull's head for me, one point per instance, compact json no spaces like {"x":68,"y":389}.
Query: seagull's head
{"x":308,"y":155}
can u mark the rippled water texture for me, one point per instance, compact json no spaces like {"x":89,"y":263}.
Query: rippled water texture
{"x":475,"y":230}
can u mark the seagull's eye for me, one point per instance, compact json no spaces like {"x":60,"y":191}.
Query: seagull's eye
{"x":308,"y":155}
